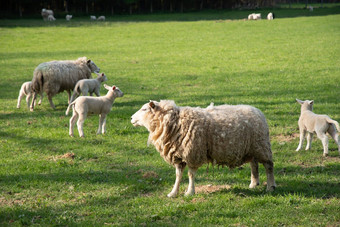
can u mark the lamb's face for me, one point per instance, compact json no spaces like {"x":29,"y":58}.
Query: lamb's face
{"x":118,"y":92}
{"x":143,"y":117}
{"x":92,"y":66}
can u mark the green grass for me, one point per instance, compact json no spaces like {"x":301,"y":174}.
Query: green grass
{"x":116,"y":179}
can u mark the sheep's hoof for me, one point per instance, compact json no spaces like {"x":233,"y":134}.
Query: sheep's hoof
{"x":325,"y":155}
{"x":31,"y":109}
{"x":189,"y":193}
{"x":254,"y":185}
{"x":271,"y":188}
{"x":172,"y":195}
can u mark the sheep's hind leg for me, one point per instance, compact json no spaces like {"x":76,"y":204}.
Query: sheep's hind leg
{"x":80,"y":124}
{"x":254,"y":180}
{"x":33,"y":101}
{"x":191,"y":187}
{"x":309,"y":140}
{"x":102,"y":124}
{"x":72,"y":122}
{"x":179,"y":174}
{"x":324,"y":139}
{"x":270,"y":175}
{"x":51,"y":102}
{"x":332,"y":131}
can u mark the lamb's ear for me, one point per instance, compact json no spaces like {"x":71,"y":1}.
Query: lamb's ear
{"x":89,"y":61}
{"x":113,"y":88}
{"x":300,"y":101}
{"x":102,"y":74}
{"x":152,"y":104}
{"x":311,"y":102}
{"x":107,"y":87}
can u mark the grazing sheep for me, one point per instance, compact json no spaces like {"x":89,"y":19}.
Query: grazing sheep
{"x":85,"y":105}
{"x":93,"y":18}
{"x":310,"y":122}
{"x":225,"y":135}
{"x":45,"y":13}
{"x":51,"y":18}
{"x":254,"y":16}
{"x":250,"y":17}
{"x":101,"y":18}
{"x":25,"y":90}
{"x":270,"y":16}
{"x":68,"y":17}
{"x":86,"y":86}
{"x":57,"y":76}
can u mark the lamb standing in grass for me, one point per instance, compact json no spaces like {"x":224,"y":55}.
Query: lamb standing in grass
{"x":86,"y":86}
{"x":85,"y":105}
{"x":25,"y":90}
{"x":57,"y":76}
{"x":310,"y":122}
{"x":225,"y":135}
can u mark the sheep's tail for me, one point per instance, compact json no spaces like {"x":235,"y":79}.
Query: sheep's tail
{"x":69,"y":107}
{"x":335,"y":123}
{"x":38,"y":81}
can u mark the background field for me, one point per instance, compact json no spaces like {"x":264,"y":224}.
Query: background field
{"x":48,"y":178}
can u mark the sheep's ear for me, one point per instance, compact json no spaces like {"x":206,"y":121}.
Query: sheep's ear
{"x":89,"y":61}
{"x":102,"y":74}
{"x":113,"y":88}
{"x":300,"y":101}
{"x":152,"y":104}
{"x":311,"y":102}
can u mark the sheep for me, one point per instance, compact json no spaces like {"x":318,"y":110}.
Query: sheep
{"x":223,"y":135}
{"x":254,"y":16}
{"x":93,"y":18}
{"x":101,"y":18}
{"x":45,"y":13}
{"x":310,"y":8}
{"x":25,"y":90}
{"x":310,"y":122}
{"x":51,"y":18}
{"x":250,"y":17}
{"x":68,"y":17}
{"x":86,"y":86}
{"x":85,"y":105}
{"x":56,"y":76}
{"x":270,"y":16}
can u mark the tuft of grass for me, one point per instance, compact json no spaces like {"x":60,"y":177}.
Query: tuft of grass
{"x":48,"y":178}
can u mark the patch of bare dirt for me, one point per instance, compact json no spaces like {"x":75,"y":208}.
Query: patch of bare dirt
{"x":286,"y":138}
{"x":207,"y":189}
{"x":69,"y":155}
{"x":150,"y":174}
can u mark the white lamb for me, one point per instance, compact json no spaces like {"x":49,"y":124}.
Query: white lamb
{"x":86,"y":86}
{"x":45,"y":13}
{"x":51,"y":18}
{"x":101,"y":18}
{"x":93,"y":18}
{"x":25,"y":90}
{"x":310,"y":122}
{"x":68,"y":17}
{"x":270,"y":16}
{"x":254,"y":16}
{"x":85,"y":105}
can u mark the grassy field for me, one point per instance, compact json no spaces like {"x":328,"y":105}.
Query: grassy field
{"x":48,"y":178}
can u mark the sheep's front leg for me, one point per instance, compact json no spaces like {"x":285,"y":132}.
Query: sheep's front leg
{"x":179,"y":174}
{"x":80,"y":124}
{"x":102,"y":124}
{"x":302,"y":138}
{"x":191,"y":187}
{"x":72,"y":122}
{"x":271,"y":185}
{"x":20,"y":97}
{"x":28,"y":100}
{"x":309,"y":140}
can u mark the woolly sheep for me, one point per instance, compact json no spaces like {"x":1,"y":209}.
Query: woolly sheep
{"x":85,"y":105}
{"x":310,"y":122}
{"x":45,"y":13}
{"x":25,"y":90}
{"x":93,"y":18}
{"x":57,"y":76}
{"x":51,"y":18}
{"x":254,"y":16}
{"x":68,"y":17}
{"x":86,"y":86}
{"x":223,"y":135}
{"x":270,"y":16}
{"x":101,"y":18}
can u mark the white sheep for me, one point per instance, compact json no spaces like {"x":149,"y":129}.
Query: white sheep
{"x":45,"y":13}
{"x":85,"y":105}
{"x":25,"y":90}
{"x":225,"y":135}
{"x":68,"y":17}
{"x":86,"y":86}
{"x":101,"y":18}
{"x":93,"y":18}
{"x":254,"y":16}
{"x":270,"y":16}
{"x":51,"y":18}
{"x":250,"y":17}
{"x":57,"y":76}
{"x":310,"y":8}
{"x":310,"y":122}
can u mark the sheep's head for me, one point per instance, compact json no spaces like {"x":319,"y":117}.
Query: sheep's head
{"x":102,"y":77}
{"x":115,"y":90}
{"x":306,"y":105}
{"x":92,"y":66}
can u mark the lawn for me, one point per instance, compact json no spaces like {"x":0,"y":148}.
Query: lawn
{"x":49,"y":178}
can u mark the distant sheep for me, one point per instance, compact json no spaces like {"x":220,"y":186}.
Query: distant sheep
{"x":25,"y":90}
{"x":225,"y":135}
{"x":68,"y":17}
{"x":86,"y":86}
{"x":101,"y":18}
{"x":45,"y":13}
{"x":310,"y":8}
{"x":270,"y":16}
{"x":254,"y":16}
{"x":51,"y":18}
{"x":85,"y":105}
{"x":57,"y":76}
{"x":310,"y":122}
{"x":93,"y":18}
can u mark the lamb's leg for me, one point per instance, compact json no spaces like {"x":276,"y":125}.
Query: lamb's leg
{"x":80,"y":124}
{"x":179,"y":174}
{"x":334,"y":134}
{"x":20,"y":97}
{"x":28,"y":100}
{"x":324,"y":139}
{"x":33,"y":101}
{"x":270,"y":175}
{"x":41,"y":98}
{"x":254,"y":180}
{"x":102,"y":125}
{"x":51,"y":102}
{"x":309,"y":140}
{"x":191,"y":187}
{"x":69,"y":96}
{"x":302,"y":138}
{"x":73,"y":120}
